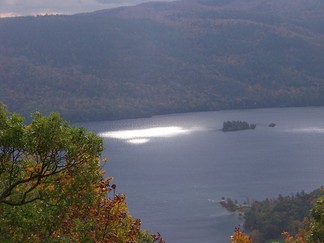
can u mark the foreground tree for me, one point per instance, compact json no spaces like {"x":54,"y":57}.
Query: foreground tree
{"x":316,"y":227}
{"x":313,"y":229}
{"x":52,"y":188}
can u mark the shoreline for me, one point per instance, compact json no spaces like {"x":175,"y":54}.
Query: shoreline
{"x":77,"y":121}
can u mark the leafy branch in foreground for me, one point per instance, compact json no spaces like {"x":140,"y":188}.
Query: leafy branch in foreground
{"x":52,"y":188}
{"x":29,"y":155}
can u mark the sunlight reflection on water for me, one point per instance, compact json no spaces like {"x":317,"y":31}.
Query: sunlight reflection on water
{"x":138,"y":140}
{"x":308,"y":129}
{"x":140,"y":136}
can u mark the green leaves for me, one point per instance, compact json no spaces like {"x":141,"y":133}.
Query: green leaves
{"x":30,"y":154}
{"x":52,"y":187}
{"x":316,"y":228}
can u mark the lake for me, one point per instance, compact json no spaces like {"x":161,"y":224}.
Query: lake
{"x":174,"y":169}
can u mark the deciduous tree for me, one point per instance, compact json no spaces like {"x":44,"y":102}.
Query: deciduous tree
{"x":52,"y":187}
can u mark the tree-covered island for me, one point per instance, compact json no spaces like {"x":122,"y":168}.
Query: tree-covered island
{"x":229,"y":126}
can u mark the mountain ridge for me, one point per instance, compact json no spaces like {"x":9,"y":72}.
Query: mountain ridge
{"x":157,"y":58}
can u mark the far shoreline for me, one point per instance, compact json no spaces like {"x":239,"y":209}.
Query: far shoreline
{"x":80,"y":121}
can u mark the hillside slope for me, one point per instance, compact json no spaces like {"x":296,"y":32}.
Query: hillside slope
{"x":157,"y":58}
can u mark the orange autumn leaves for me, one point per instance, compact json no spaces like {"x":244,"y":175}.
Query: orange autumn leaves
{"x":240,"y":237}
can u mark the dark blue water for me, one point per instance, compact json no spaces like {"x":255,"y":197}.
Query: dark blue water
{"x":175,"y":168}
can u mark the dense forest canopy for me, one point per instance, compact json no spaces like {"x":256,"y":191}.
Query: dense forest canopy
{"x":155,"y":58}
{"x":269,"y":218}
{"x":298,"y":218}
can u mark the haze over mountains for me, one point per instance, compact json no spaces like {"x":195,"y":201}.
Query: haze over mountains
{"x":156,"y":58}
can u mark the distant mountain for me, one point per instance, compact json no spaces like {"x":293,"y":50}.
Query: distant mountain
{"x":157,"y":58}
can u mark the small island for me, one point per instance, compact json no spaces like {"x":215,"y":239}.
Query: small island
{"x":272,"y":124}
{"x":236,"y":126}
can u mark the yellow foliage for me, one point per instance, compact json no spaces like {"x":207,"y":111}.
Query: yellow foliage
{"x":240,"y":237}
{"x":50,"y":187}
{"x":30,"y":169}
{"x":34,"y":168}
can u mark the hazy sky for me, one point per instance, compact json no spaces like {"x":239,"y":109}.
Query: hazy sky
{"x":10,"y":8}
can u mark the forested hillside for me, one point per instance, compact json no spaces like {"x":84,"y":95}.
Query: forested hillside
{"x":157,"y":58}
{"x":269,"y":218}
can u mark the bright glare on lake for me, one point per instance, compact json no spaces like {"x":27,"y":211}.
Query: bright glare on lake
{"x":138,"y":140}
{"x":140,"y":136}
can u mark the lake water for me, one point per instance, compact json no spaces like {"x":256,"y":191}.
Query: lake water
{"x":174,"y":169}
